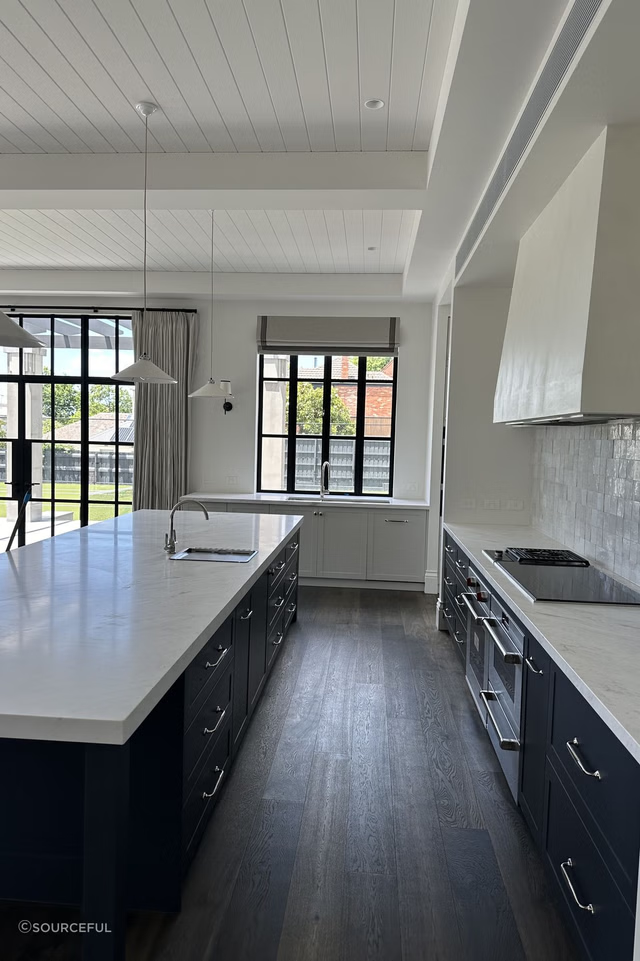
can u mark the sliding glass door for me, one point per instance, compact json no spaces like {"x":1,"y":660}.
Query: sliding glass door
{"x":66,"y":429}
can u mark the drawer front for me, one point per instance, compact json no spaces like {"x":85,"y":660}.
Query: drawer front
{"x":275,"y":572}
{"x":613,"y":796}
{"x":461,"y":567}
{"x":290,"y":609}
{"x":535,"y":717}
{"x":607,"y":931}
{"x":450,"y":548}
{"x":206,"y":668}
{"x":449,"y":577}
{"x":206,"y":791}
{"x":207,"y":724}
{"x":292,"y":549}
{"x":276,"y":604}
{"x":290,"y":580}
{"x":275,"y":637}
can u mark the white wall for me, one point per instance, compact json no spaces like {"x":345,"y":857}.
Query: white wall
{"x":223,"y":448}
{"x":487,"y":466}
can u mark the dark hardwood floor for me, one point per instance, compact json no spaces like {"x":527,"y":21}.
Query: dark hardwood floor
{"x":365,"y":818}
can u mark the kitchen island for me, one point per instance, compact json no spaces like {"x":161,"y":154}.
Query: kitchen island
{"x":127,"y":680}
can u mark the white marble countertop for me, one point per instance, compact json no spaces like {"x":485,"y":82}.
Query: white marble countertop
{"x":97,"y":624}
{"x":596,"y":645}
{"x":290,"y":500}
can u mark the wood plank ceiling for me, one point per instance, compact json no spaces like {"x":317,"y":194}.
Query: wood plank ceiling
{"x":230,"y":75}
{"x":271,"y":241}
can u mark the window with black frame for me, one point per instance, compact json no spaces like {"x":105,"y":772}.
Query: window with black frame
{"x":339,"y":409}
{"x":65,"y":427}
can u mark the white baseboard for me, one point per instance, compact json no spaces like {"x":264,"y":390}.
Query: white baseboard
{"x":367,"y":585}
{"x":431,"y":582}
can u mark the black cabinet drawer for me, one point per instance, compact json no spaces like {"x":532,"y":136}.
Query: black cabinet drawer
{"x":605,"y":776}
{"x":290,"y":580}
{"x":206,"y":790}
{"x":275,"y":572}
{"x":290,"y":609}
{"x":592,"y":900}
{"x":450,"y":548}
{"x":535,"y":717}
{"x":275,"y":637}
{"x":276,"y":604}
{"x":206,"y":668}
{"x":292,"y":548}
{"x":207,"y":724}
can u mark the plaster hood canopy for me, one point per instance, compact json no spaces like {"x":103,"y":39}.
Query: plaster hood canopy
{"x":572,"y":341}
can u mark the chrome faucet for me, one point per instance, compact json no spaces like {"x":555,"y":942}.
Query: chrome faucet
{"x":324,"y":486}
{"x":170,"y":538}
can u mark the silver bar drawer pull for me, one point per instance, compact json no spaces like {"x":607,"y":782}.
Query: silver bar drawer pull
{"x":220,"y":772}
{"x":449,"y":550}
{"x":563,"y":867}
{"x":506,"y":743}
{"x":509,"y":657}
{"x":279,"y":602}
{"x":530,"y":664}
{"x":571,"y":748}
{"x":395,"y":520}
{"x":212,"y":730}
{"x":461,"y":565}
{"x":245,"y":617}
{"x":449,"y":582}
{"x":475,"y":616}
{"x":277,"y":641}
{"x":294,"y":547}
{"x":215,"y":663}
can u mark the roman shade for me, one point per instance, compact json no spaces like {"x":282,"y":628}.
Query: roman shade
{"x":373,"y":336}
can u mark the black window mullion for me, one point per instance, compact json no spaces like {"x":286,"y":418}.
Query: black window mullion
{"x":292,"y":423}
{"x":117,"y":451}
{"x":360,"y":425}
{"x":84,"y":422}
{"x":326,"y":410}
{"x":392,"y":445}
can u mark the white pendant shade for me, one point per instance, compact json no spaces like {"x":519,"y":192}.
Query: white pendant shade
{"x":12,"y":335}
{"x":211,"y":389}
{"x":144,"y":371}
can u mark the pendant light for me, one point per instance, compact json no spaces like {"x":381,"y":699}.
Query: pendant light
{"x":12,"y":335}
{"x":211,"y":389}
{"x":144,"y":371}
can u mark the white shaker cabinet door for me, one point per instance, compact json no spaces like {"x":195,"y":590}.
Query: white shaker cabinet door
{"x":308,"y":537}
{"x":342,"y":542}
{"x":397,"y":545}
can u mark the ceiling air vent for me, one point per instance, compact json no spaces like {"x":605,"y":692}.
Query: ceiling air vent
{"x":564,"y":50}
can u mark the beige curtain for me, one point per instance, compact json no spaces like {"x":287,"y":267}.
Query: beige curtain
{"x":161,"y":417}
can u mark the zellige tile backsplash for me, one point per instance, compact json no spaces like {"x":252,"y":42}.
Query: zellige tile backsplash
{"x":586,"y":492}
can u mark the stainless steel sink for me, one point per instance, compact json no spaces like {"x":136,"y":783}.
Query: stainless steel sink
{"x":227,"y":555}
{"x":336,"y":499}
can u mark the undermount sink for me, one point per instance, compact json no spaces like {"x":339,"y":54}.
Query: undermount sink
{"x":227,"y":555}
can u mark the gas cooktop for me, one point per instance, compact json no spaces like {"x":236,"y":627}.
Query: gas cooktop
{"x":560,"y":575}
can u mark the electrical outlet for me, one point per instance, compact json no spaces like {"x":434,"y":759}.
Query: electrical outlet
{"x":468,"y":504}
{"x":491,"y":504}
{"x":232,"y":480}
{"x":515,"y":505}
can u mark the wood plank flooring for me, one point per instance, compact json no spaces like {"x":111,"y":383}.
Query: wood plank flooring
{"x":365,"y":818}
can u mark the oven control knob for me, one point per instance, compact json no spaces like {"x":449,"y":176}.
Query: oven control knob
{"x":472,"y":582}
{"x":499,"y":555}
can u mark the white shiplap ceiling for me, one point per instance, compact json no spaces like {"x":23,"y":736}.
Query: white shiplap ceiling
{"x":260,"y":241}
{"x":229,"y":75}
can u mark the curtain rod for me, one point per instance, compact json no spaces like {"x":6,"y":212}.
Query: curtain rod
{"x":81,"y":310}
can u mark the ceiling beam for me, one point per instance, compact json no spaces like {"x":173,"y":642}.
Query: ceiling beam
{"x":375,"y":180}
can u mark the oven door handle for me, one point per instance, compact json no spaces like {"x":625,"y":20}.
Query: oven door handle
{"x":476,"y":617}
{"x":509,"y":657}
{"x":506,"y":743}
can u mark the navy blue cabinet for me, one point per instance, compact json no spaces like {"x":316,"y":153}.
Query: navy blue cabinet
{"x":535,"y":715}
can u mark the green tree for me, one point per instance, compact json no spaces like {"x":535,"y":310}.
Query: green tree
{"x":3,"y":429}
{"x":102,"y":399}
{"x":310,"y":411}
{"x":67,"y":403}
{"x":373,"y":363}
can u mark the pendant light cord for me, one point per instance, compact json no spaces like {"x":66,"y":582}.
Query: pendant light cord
{"x":213,"y":227}
{"x":144,"y":218}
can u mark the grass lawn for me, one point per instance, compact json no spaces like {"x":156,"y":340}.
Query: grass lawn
{"x":65,"y":492}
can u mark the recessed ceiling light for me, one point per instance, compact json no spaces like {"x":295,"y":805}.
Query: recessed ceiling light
{"x":374,"y":104}
{"x":372,"y":248}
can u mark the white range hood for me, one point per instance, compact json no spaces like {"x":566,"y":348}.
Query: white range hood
{"x":571,"y":351}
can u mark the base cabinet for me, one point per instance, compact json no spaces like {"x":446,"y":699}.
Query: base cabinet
{"x":396,"y":545}
{"x":341,"y":543}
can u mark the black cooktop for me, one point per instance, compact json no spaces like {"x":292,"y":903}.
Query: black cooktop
{"x":560,"y":575}
{"x":582,"y":585}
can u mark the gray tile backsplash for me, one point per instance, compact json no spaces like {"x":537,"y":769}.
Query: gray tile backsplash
{"x":586,"y":492}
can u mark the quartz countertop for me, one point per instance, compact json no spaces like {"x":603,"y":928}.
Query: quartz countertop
{"x":97,"y":624}
{"x":290,"y":500}
{"x":596,"y":645}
